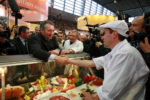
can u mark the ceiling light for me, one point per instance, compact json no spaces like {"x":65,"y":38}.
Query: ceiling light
{"x":115,"y":1}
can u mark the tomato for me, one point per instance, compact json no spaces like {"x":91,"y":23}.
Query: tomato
{"x":93,"y":77}
{"x":87,"y":79}
{"x":97,"y":82}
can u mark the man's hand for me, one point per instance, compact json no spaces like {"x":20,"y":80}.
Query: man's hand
{"x":62,"y":60}
{"x":98,"y":44}
{"x":14,"y":31}
{"x":65,"y":52}
{"x":145,"y":46}
{"x":88,"y":96}
{"x":56,"y":51}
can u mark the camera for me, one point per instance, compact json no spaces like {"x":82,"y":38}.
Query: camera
{"x":96,"y":47}
{"x":94,"y":32}
{"x":140,"y":36}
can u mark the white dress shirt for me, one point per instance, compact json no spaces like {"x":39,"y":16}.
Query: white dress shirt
{"x":76,"y":46}
{"x":125,"y":73}
{"x":22,"y":40}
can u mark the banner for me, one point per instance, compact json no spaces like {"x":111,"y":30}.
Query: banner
{"x":40,"y":6}
{"x":92,"y":20}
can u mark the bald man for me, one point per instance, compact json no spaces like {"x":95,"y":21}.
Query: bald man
{"x":144,"y":47}
{"x":137,"y":25}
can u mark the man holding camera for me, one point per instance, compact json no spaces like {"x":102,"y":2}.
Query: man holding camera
{"x":144,"y":46}
{"x":138,"y":25}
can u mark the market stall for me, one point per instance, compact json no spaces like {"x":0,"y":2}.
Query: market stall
{"x":67,"y":85}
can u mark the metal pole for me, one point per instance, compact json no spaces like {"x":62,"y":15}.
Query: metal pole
{"x":8,"y":16}
{"x":16,"y":19}
{"x":3,"y":83}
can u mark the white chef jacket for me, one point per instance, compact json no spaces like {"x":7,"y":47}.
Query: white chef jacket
{"x":125,"y":73}
{"x":76,"y":46}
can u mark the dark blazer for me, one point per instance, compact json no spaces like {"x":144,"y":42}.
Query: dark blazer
{"x":20,"y":48}
{"x":39,"y":46}
{"x":4,"y":47}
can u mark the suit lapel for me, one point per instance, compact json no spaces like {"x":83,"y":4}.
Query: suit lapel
{"x":21,"y":46}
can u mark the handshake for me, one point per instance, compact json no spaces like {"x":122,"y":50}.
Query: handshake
{"x":62,"y":60}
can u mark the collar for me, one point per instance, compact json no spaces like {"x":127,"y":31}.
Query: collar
{"x":22,"y":40}
{"x":118,"y":46}
{"x":73,"y":42}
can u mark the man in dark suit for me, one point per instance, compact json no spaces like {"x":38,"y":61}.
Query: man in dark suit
{"x":4,"y":42}
{"x":20,"y":47}
{"x":44,"y":46}
{"x":20,"y":42}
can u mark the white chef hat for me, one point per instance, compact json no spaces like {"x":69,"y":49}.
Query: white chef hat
{"x":119,"y":25}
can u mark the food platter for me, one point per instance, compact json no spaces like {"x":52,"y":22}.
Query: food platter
{"x":59,"y":96}
{"x":68,"y":94}
{"x":62,"y":88}
{"x":58,"y":81}
{"x":78,"y":90}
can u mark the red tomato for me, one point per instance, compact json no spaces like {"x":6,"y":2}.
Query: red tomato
{"x":97,"y":82}
{"x":93,"y":77}
{"x":87,"y":79}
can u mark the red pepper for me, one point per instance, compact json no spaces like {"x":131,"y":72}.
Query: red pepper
{"x":35,"y":83}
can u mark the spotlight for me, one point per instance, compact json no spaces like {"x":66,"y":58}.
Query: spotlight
{"x":115,"y":1}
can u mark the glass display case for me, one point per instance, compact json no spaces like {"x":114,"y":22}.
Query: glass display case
{"x":37,"y":77}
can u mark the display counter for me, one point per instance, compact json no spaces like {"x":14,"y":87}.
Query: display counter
{"x":15,"y":60}
{"x":9,"y":63}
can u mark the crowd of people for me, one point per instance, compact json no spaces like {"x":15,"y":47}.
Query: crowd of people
{"x":126,"y":63}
